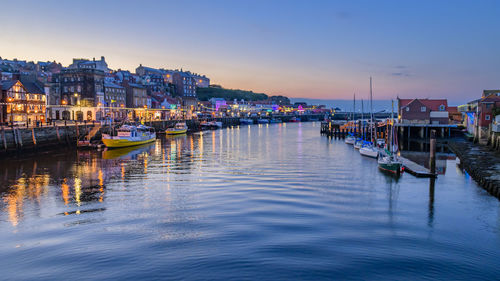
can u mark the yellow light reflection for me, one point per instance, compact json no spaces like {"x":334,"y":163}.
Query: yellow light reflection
{"x":65,"y":191}
{"x":78,"y":192}
{"x":101,"y":185}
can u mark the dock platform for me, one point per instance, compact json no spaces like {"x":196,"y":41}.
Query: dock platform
{"x":416,"y":169}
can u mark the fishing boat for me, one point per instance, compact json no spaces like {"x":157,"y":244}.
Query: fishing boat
{"x":179,"y":128}
{"x":263,"y":121}
{"x":246,"y":121}
{"x":129,"y":135}
{"x":275,"y":120}
{"x":389,"y":161}
{"x":294,"y":119}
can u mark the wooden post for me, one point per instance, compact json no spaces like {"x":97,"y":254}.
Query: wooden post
{"x":19,"y":139}
{"x":432,"y":158}
{"x":15,"y":137}
{"x":4,"y":139}
{"x":77,"y":131}
{"x":57,"y":133}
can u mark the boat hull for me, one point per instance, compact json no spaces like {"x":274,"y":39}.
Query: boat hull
{"x":349,"y":140}
{"x":175,"y":132}
{"x":115,"y":143}
{"x":394,"y":168}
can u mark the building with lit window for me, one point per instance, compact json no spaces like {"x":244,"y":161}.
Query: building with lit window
{"x":201,"y":81}
{"x":185,"y":84}
{"x":22,"y":102}
{"x":83,"y":87}
{"x":115,"y":97}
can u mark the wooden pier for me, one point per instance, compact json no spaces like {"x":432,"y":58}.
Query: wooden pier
{"x":333,"y":130}
{"x":416,"y":169}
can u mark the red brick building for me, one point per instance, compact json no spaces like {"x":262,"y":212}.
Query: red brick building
{"x":423,"y":111}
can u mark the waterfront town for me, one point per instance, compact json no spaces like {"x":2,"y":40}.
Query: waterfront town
{"x":87,"y":90}
{"x":250,"y":140}
{"x":36,"y":94}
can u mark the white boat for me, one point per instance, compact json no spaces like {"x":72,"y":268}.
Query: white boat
{"x":263,"y":121}
{"x":350,"y":139}
{"x":128,"y":135}
{"x":369,"y":151}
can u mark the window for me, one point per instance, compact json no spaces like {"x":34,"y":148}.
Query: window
{"x":487,"y":117}
{"x":441,"y":107}
{"x":423,"y":109}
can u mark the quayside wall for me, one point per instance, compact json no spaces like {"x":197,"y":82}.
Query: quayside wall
{"x":481,"y":162}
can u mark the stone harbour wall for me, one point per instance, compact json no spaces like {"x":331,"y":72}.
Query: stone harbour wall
{"x":481,"y":162}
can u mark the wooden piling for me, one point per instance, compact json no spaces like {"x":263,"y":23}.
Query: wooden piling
{"x":14,"y":135}
{"x":4,"y":139}
{"x":57,"y":134}
{"x":432,"y":158}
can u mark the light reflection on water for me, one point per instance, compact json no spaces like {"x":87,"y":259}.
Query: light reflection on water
{"x":270,"y":201}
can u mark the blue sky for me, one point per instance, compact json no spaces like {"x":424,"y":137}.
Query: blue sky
{"x":314,"y":49}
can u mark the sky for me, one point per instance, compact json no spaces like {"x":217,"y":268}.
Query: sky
{"x":309,"y":49}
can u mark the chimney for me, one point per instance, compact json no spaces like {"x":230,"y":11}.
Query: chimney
{"x":102,"y":58}
{"x":93,"y":59}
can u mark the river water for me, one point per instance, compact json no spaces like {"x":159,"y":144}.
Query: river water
{"x":261,"y":202}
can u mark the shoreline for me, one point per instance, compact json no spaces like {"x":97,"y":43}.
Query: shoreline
{"x":482,"y":164}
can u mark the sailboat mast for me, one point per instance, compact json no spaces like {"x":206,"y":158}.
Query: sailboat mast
{"x":362,"y":117}
{"x":371,"y":112}
{"x":354,"y":114}
{"x":392,"y":126}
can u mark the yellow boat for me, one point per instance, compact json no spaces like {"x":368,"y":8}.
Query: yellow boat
{"x":129,"y":136}
{"x":180,"y":128}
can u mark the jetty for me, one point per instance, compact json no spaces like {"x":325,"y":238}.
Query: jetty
{"x":415,"y":169}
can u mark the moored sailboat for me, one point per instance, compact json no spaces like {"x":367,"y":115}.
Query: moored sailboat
{"x":368,"y":148}
{"x":389,"y":161}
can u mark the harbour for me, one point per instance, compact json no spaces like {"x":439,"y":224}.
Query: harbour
{"x":229,"y":201}
{"x":250,"y":140}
